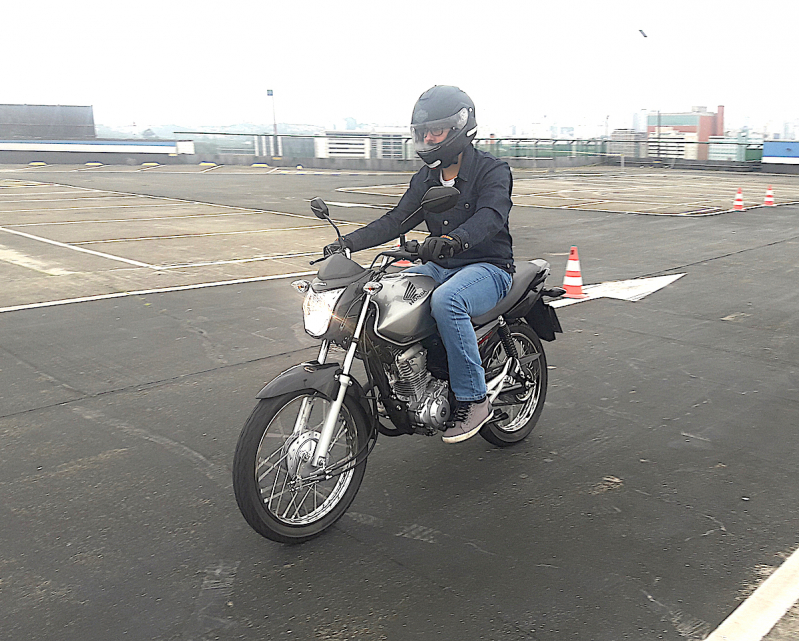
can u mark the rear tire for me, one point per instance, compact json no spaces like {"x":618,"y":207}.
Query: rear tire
{"x":269,"y":466}
{"x":524,"y":406}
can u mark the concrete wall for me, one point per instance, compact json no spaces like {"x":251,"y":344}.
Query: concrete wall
{"x":78,"y":158}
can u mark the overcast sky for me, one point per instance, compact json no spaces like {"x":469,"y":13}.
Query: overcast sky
{"x":570,"y":62}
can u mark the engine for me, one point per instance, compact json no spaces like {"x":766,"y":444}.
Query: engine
{"x":427,"y":397}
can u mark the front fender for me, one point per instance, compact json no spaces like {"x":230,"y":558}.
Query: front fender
{"x":316,"y":376}
{"x":310,"y":375}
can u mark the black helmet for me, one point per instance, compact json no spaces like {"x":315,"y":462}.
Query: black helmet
{"x":443,"y":108}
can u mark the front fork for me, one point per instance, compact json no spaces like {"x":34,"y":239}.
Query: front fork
{"x":319,"y":459}
{"x":306,"y":406}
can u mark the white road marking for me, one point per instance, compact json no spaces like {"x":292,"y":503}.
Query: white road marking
{"x":238,"y":261}
{"x":203,"y":235}
{"x":14,"y":257}
{"x":96,"y":221}
{"x":338,"y":204}
{"x":144,"y":292}
{"x":631,"y":290}
{"x":754,"y":618}
{"x":60,"y":200}
{"x":135,"y":263}
{"x":41,"y":193}
{"x":49,"y":209}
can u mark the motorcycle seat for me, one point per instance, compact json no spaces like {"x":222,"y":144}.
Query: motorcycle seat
{"x":526,"y":276}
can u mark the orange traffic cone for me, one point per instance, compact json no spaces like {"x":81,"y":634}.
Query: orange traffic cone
{"x":769,"y":201}
{"x":738,"y":205}
{"x":573,"y":280}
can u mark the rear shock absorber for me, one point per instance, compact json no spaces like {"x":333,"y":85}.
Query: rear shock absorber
{"x":507,"y":339}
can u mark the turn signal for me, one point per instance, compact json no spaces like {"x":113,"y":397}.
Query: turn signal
{"x":301,"y":286}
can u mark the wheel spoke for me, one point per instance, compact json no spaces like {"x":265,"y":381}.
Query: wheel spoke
{"x":278,"y":462}
{"x":281,"y":497}
{"x":301,"y":503}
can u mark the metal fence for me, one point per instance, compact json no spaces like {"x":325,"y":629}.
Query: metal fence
{"x":360,"y":145}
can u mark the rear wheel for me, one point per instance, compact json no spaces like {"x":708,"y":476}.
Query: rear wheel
{"x":519,"y":405}
{"x":278,"y":491}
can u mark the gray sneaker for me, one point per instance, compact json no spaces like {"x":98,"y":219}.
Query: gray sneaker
{"x":469,"y":418}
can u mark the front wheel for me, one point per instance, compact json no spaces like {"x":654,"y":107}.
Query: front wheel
{"x":519,"y":406}
{"x":279,"y":493}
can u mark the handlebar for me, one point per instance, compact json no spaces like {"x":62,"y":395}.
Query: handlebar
{"x":409,"y":251}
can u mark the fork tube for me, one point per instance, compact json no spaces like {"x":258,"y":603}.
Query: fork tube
{"x":323,"y":352}
{"x":305,"y":407}
{"x":344,"y":379}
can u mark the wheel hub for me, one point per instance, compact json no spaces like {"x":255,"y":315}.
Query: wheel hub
{"x":298,"y":451}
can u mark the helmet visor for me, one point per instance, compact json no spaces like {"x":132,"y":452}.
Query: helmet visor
{"x":430,"y":135}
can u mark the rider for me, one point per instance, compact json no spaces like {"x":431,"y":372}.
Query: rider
{"x":469,"y":251}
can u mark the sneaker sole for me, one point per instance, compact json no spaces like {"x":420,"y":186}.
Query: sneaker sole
{"x":467,"y":435}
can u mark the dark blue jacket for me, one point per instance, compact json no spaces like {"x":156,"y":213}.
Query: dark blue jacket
{"x":479,"y":220}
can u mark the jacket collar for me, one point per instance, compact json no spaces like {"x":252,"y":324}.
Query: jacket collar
{"x":465,"y":172}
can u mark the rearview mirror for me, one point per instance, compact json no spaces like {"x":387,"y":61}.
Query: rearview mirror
{"x":319,"y":208}
{"x":437,"y":200}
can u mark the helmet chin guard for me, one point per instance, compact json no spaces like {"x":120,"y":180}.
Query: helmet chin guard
{"x":443,"y":109}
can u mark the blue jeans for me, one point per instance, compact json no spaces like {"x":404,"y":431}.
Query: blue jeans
{"x":464,"y":292}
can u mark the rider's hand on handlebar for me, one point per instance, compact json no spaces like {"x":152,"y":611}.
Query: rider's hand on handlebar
{"x":439,"y":247}
{"x":337,"y":247}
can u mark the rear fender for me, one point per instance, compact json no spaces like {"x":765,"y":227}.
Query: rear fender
{"x":544,"y":321}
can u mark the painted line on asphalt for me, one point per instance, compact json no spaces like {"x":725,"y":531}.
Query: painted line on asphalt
{"x":133,"y":220}
{"x":237,"y":261}
{"x":45,"y":210}
{"x":41,"y":193}
{"x":340,"y":204}
{"x":202,"y":235}
{"x":145,"y":292}
{"x":755,"y":617}
{"x":59,"y":200}
{"x":135,"y":263}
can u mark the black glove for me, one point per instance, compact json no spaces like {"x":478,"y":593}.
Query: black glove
{"x":337,"y":247}
{"x":439,"y":247}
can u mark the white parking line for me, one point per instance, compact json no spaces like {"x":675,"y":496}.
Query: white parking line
{"x":48,"y":209}
{"x":202,"y":235}
{"x":143,"y":292}
{"x":61,"y":200}
{"x":754,"y":618}
{"x":96,"y":221}
{"x":136,"y":263}
{"x":43,"y":193}
{"x":238,"y":261}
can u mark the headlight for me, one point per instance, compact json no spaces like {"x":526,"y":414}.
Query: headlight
{"x":318,"y":310}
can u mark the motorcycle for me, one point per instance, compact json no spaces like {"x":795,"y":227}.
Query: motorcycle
{"x":302,"y":453}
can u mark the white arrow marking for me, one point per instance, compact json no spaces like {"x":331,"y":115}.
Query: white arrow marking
{"x":631,"y":290}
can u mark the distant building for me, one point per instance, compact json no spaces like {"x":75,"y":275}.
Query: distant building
{"x":681,"y":135}
{"x":734,"y":146}
{"x":627,"y":142}
{"x":390,"y":144}
{"x":46,"y":122}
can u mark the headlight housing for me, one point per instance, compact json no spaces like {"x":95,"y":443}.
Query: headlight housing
{"x":318,"y":309}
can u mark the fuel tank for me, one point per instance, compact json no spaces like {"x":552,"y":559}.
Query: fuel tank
{"x":403,"y":308}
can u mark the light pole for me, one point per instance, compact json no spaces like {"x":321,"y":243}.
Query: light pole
{"x":271,"y":94}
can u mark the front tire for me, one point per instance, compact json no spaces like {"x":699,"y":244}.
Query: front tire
{"x":524,"y":406}
{"x":271,"y":462}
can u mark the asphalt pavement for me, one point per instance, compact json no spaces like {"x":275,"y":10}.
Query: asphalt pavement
{"x":657,"y":491}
